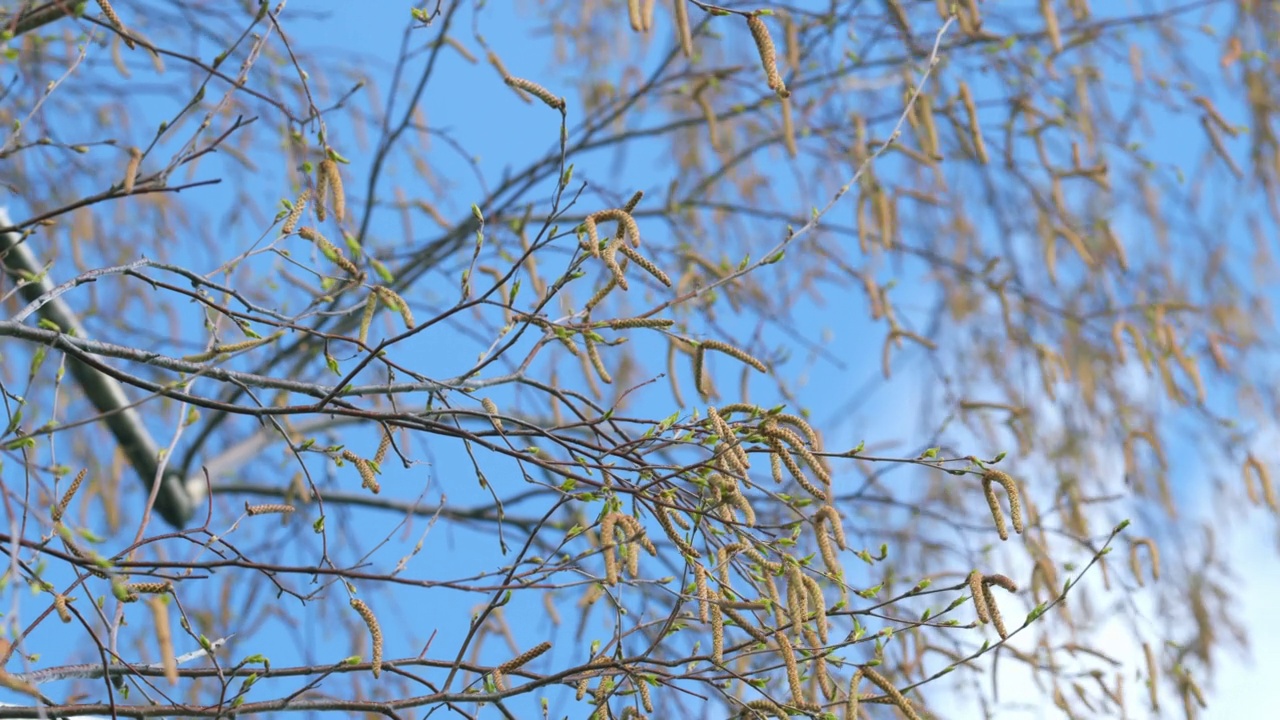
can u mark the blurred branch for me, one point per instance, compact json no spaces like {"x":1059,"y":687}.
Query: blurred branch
{"x":174,"y":501}
{"x":24,"y":21}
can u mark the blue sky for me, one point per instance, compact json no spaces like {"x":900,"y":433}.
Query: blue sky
{"x":467,"y":107}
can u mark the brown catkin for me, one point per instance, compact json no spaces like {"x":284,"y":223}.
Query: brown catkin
{"x":634,"y":323}
{"x":366,"y":318}
{"x":699,"y":362}
{"x":798,"y":446}
{"x":1001,"y":581}
{"x":768,"y":56}
{"x":624,"y":219}
{"x":782,"y":454}
{"x":793,"y":669}
{"x":131,"y":170}
{"x":894,"y":694}
{"x":1152,"y":551}
{"x":592,"y":243}
{"x":1153,"y":676}
{"x":329,"y":169}
{"x":700,"y":587}
{"x":492,"y":409}
{"x":792,"y":35}
{"x":708,"y":114}
{"x":645,"y":264}
{"x":851,"y":705}
{"x":375,"y":632}
{"x":322,"y":191}
{"x":610,"y":259}
{"x":735,"y":353}
{"x":536,"y":90}
{"x":525,"y":658}
{"x":633,"y":14}
{"x":819,"y":605}
{"x":367,"y":475}
{"x":110,"y":14}
{"x":1255,"y":468}
{"x":164,"y":637}
{"x":268,"y":509}
{"x":391,"y":298}
{"x":596,"y":362}
{"x":607,"y":545}
{"x":683,"y":31}
{"x":330,"y":251}
{"x":717,"y":631}
{"x":149,"y":588}
{"x":664,"y":519}
{"x":994,"y":610}
{"x":60,"y":604}
{"x":828,"y":553}
{"x":61,"y":508}
{"x":646,"y":700}
{"x":788,"y":129}
{"x":295,"y":213}
{"x":383,"y":445}
{"x":975,"y":130}
{"x":979,"y":597}
{"x":1051,"y":25}
{"x":1015,"y":506}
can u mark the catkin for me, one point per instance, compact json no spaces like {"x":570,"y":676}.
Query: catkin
{"x":1253,"y":466}
{"x":366,"y":318}
{"x":1153,"y":676}
{"x":61,"y":508}
{"x":644,"y":263}
{"x":110,"y":14}
{"x":624,"y":218}
{"x":536,"y":90}
{"x":829,"y":514}
{"x":610,"y":258}
{"x":492,"y":409}
{"x":149,"y":588}
{"x":329,"y":170}
{"x":699,"y":363}
{"x":328,"y":249}
{"x":1051,"y":25}
{"x":131,"y":170}
{"x":607,"y":545}
{"x":1152,"y":551}
{"x":633,"y":14}
{"x":164,"y":638}
{"x":700,"y":587}
{"x":525,"y":657}
{"x":894,"y":694}
{"x":683,"y":31}
{"x":733,"y":352}
{"x":295,"y":213}
{"x":788,"y":129}
{"x":375,"y":632}
{"x":634,"y":323}
{"x":979,"y":597}
{"x":994,"y":609}
{"x":975,"y":130}
{"x":851,"y":705}
{"x":596,"y":362}
{"x":60,"y":604}
{"x":768,"y":56}
{"x":266,"y":509}
{"x":393,"y":300}
{"x":1015,"y":506}
{"x":793,"y":670}
{"x":367,"y":475}
{"x":717,"y":632}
